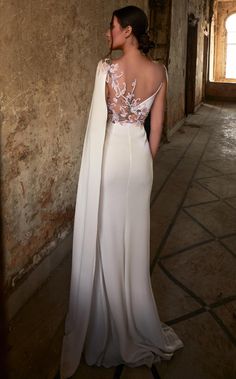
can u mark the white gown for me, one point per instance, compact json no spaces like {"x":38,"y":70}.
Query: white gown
{"x":112,"y":315}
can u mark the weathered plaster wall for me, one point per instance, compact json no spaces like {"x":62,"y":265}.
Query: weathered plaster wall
{"x":221,"y":91}
{"x":177,"y":56}
{"x":49,"y":50}
{"x":197,"y":8}
{"x":177,"y":62}
{"x":160,"y":30}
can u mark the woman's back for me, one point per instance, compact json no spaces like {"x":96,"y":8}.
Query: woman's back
{"x":132,"y":85}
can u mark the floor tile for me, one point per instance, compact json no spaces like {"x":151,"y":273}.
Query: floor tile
{"x":92,"y":372}
{"x":217,"y":217}
{"x":226,"y":166}
{"x":223,"y":186}
{"x":205,"y":171}
{"x":141,"y":372}
{"x":172,"y":302}
{"x":207,"y":270}
{"x":230,"y":242}
{"x":216,"y":151}
{"x":227,"y":313}
{"x":185,"y":232}
{"x":231,"y":202}
{"x":35,"y":329}
{"x":169,"y":200}
{"x":207,"y":354}
{"x":197,"y":194}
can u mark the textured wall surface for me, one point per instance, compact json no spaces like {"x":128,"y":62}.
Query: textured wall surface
{"x":49,"y":50}
{"x":177,"y":63}
{"x":160,"y":30}
{"x":200,"y":10}
{"x":177,"y":56}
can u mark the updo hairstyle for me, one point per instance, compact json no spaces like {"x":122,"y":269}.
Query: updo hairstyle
{"x":137,"y":19}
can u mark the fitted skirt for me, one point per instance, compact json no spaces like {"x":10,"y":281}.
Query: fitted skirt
{"x":124,"y":325}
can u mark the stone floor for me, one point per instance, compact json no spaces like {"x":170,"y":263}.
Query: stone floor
{"x":193,"y":263}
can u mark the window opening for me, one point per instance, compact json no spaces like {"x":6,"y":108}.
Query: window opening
{"x":230,"y":25}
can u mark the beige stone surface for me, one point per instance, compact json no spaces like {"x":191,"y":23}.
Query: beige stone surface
{"x":227,"y":313}
{"x":172,"y":301}
{"x":231,"y":202}
{"x":207,"y":353}
{"x":223,"y":186}
{"x":204,"y":171}
{"x":197,"y":193}
{"x":230,"y":242}
{"x":35,"y":333}
{"x":184,"y":234}
{"x":223,"y":165}
{"x":171,"y":154}
{"x":137,"y":373}
{"x":89,"y":372}
{"x":177,"y":57}
{"x":171,"y":196}
{"x":218,"y":217}
{"x":207,"y":270}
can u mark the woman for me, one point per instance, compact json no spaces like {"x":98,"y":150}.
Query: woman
{"x":112,"y":313}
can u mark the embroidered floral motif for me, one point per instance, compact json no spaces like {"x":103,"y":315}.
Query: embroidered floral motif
{"x":122,"y":105}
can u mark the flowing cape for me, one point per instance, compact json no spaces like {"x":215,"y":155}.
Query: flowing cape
{"x":85,"y":229}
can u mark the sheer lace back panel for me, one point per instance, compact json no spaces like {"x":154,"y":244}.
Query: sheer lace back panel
{"x":124,"y":106}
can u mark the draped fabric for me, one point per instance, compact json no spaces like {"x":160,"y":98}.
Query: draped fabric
{"x":85,"y":229}
{"x":112,"y":314}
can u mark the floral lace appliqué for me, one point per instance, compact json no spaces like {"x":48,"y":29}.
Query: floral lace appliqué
{"x":122,"y":105}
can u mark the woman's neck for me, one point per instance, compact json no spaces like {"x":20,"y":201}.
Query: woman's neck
{"x":131,"y":52}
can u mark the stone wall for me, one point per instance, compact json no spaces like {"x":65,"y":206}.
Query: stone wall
{"x":160,"y":29}
{"x":49,"y":50}
{"x":177,"y":63}
{"x":177,"y":56}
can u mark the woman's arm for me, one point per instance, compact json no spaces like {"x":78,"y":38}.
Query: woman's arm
{"x":157,"y":115}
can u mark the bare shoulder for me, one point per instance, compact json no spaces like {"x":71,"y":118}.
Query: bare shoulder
{"x":160,"y":70}
{"x":155,"y":69}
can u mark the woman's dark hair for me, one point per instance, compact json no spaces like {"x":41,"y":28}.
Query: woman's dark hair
{"x":137,"y":19}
